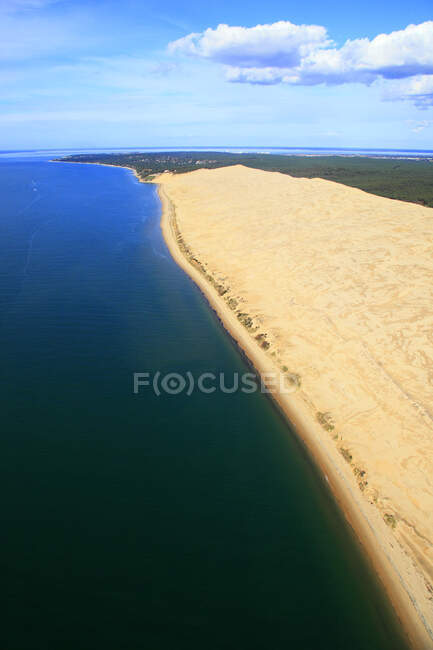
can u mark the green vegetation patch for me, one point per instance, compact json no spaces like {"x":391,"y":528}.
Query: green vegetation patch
{"x":346,"y":454}
{"x":294,"y":379}
{"x":390,"y":520}
{"x":408,"y":179}
{"x":325,"y":420}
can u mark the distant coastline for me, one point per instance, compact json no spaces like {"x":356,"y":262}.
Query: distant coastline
{"x":343,"y":152}
{"x":401,"y":177}
{"x":400,"y":152}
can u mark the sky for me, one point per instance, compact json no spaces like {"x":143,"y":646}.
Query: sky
{"x":131,"y":73}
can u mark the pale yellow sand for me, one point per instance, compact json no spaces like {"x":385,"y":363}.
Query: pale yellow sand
{"x":341,"y":282}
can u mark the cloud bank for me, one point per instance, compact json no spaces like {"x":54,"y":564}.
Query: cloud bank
{"x":281,"y":44}
{"x":305,"y":55}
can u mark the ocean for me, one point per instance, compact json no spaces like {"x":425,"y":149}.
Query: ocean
{"x":288,"y":151}
{"x":136,"y":521}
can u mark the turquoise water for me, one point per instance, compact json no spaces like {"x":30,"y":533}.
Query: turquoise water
{"x":290,"y":151}
{"x":137,"y":521}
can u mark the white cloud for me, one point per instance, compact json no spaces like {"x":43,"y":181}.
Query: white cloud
{"x":418,"y":89}
{"x":417,"y":127}
{"x":279,"y":44}
{"x":304,"y":55}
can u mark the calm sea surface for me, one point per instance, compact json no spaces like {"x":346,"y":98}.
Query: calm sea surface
{"x":136,"y":521}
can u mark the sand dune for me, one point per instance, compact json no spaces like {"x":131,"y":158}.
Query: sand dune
{"x":340,"y":285}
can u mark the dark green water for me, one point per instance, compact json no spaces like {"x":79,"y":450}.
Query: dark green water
{"x":137,"y":521}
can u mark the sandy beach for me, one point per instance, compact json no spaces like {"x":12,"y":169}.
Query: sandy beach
{"x":332,"y":287}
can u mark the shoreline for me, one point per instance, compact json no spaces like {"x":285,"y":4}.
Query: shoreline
{"x":335,"y":473}
{"x":392,"y":568}
{"x":75,"y":162}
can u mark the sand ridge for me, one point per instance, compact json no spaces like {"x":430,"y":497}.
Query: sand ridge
{"x":333,"y":286}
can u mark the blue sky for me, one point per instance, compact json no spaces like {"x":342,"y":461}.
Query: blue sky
{"x":273,"y":73}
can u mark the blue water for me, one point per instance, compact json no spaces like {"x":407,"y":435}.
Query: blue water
{"x":137,"y":521}
{"x":289,"y":151}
